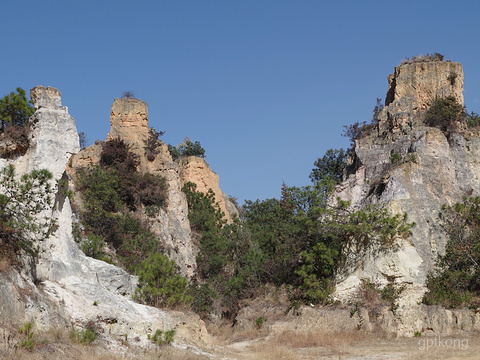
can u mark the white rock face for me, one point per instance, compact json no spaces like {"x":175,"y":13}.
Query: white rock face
{"x":53,"y":129}
{"x":76,"y":288}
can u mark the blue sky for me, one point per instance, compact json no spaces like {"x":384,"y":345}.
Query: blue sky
{"x":265,"y":86}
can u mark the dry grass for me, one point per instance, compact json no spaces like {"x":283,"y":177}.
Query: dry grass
{"x":86,"y":352}
{"x":335,"y":341}
{"x":55,"y":344}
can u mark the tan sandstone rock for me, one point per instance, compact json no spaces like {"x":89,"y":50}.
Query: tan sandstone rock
{"x":196,"y":170}
{"x":412,"y":87}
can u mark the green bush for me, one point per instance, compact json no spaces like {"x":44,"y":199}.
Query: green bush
{"x":473,"y":119}
{"x":86,"y":336}
{"x":160,"y":286}
{"x":21,"y":200}
{"x":111,"y":191}
{"x":330,"y":166}
{"x":160,"y":338}
{"x":152,"y":143}
{"x":94,"y":246}
{"x":186,"y":148}
{"x":15,"y":109}
{"x":359,"y":130}
{"x":445,"y":114}
{"x":456,"y":281}
{"x":395,"y":159}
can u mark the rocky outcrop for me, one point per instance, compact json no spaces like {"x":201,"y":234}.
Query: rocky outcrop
{"x":428,"y":320}
{"x":427,"y":171}
{"x":66,"y":288}
{"x":412,"y":87}
{"x":129,"y":122}
{"x":196,"y":170}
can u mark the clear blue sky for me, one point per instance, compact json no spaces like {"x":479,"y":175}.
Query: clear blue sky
{"x":265,"y":86}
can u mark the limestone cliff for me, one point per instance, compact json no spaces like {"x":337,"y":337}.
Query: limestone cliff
{"x":64,"y":288}
{"x":430,"y":170}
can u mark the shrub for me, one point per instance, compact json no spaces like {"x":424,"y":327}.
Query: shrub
{"x":18,"y":135}
{"x":359,"y":130}
{"x":128,"y":95}
{"x":161,"y":338}
{"x":87,"y":335}
{"x":116,"y":154}
{"x":330,"y":166}
{"x":21,"y":201}
{"x":152,"y":143}
{"x":423,"y":58}
{"x":82,"y":137}
{"x":28,"y":342}
{"x":260,"y":321}
{"x":473,"y":119}
{"x":396,"y":159}
{"x":151,"y":191}
{"x":160,"y":286}
{"x":15,"y":109}
{"x":445,"y":114}
{"x":186,"y":148}
{"x":457,"y":279}
{"x":94,"y":246}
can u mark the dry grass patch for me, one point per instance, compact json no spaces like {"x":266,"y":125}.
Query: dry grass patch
{"x":336,"y":341}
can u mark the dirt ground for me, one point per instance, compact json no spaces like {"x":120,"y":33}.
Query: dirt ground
{"x":286,"y":346}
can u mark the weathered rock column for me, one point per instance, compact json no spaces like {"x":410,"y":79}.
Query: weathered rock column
{"x":54,"y":136}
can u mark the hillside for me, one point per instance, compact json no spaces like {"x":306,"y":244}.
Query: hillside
{"x":347,"y":257}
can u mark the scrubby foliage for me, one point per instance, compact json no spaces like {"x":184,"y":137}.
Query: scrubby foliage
{"x":473,"y":120}
{"x":457,"y":279}
{"x":129,"y":94}
{"x":371,"y":294}
{"x":330,"y":166}
{"x":113,"y":192}
{"x":360,"y":130}
{"x":152,"y":143}
{"x":186,"y":148}
{"x":160,"y":285}
{"x":298,"y":240}
{"x":21,"y":200}
{"x":15,"y":109}
{"x":445,"y":113}
{"x":423,"y":58}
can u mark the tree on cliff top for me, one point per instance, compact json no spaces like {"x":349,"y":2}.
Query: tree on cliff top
{"x":186,"y":148}
{"x":15,"y":109}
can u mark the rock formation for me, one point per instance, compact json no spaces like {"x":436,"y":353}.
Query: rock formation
{"x":129,"y":122}
{"x":432,"y":170}
{"x":71,"y":289}
{"x":196,"y":170}
{"x":412,"y":87}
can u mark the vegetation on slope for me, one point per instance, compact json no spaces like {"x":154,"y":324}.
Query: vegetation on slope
{"x":296,"y":241}
{"x":15,"y":110}
{"x":21,"y":200}
{"x":456,"y":282}
{"x":113,"y":192}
